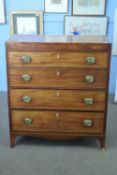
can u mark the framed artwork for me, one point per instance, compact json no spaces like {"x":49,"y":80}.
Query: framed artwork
{"x":114,"y":49}
{"x":89,"y":7}
{"x":85,"y":25}
{"x":56,"y":6}
{"x":2,"y":12}
{"x":26,"y":22}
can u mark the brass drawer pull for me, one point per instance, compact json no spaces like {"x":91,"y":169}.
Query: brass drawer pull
{"x":26,"y":59}
{"x":28,"y":121}
{"x":88,"y":101}
{"x":26,"y":99}
{"x":87,"y":123}
{"x":90,"y":79}
{"x":90,"y":60}
{"x":26,"y":77}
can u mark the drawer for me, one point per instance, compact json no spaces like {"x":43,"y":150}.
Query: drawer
{"x":57,"y":99}
{"x":59,"y":59}
{"x":58,"y":78}
{"x":81,"y":122}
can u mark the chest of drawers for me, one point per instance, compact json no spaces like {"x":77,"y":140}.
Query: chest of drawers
{"x":58,"y":86}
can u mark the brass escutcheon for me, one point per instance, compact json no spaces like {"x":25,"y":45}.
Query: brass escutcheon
{"x":88,"y":101}
{"x":27,"y":121}
{"x":26,"y":99}
{"x":26,"y":59}
{"x":90,"y":79}
{"x":90,"y":60}
{"x":26,"y":77}
{"x":88,"y":123}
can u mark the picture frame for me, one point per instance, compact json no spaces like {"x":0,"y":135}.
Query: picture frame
{"x":89,"y":7}
{"x":2,"y":12}
{"x":26,"y":22}
{"x":86,"y":25}
{"x":114,"y":48}
{"x":56,"y":6}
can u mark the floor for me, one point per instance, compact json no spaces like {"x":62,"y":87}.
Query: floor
{"x":33,"y":156}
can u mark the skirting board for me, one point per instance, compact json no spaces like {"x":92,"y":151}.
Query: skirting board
{"x":115,"y":99}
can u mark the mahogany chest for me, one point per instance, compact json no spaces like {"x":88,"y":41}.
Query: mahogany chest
{"x":58,"y":86}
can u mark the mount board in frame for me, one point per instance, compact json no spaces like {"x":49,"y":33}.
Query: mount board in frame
{"x":56,"y":6}
{"x":2,"y":12}
{"x":86,"y":25}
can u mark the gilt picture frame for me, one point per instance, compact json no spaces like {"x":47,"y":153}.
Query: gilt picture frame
{"x":26,"y":22}
{"x":89,"y":7}
{"x":86,"y":25}
{"x":56,"y":6}
{"x":2,"y":12}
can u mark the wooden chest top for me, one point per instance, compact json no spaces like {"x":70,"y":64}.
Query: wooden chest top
{"x":36,"y":42}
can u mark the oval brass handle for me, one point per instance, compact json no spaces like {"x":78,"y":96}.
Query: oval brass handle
{"x":88,"y":101}
{"x":90,"y":60}
{"x":87,"y":123}
{"x":26,"y":59}
{"x":89,"y":79}
{"x":26,"y":77}
{"x":26,"y":99}
{"x":28,"y":121}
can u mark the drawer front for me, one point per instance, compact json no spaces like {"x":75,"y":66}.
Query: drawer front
{"x":57,"y":99}
{"x":81,"y":122}
{"x":58,"y":78}
{"x":59,"y":59}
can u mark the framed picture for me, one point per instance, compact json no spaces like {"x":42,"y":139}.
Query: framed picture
{"x":56,"y":6}
{"x":114,"y":49}
{"x":26,"y":22}
{"x":2,"y":12}
{"x":89,"y":7}
{"x":85,"y":25}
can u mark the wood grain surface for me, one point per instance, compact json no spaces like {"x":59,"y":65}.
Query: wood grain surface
{"x":57,"y":121}
{"x":59,"y":59}
{"x":57,"y":99}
